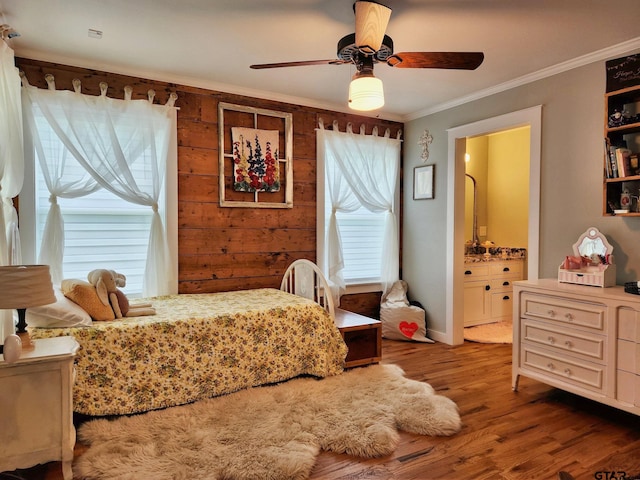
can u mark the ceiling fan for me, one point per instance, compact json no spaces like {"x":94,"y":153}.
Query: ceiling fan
{"x":369,"y":45}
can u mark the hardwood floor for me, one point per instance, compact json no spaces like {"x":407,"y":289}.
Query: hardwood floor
{"x":532,"y":434}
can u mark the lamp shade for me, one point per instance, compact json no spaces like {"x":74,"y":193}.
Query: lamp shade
{"x":25,"y":286}
{"x":372,"y":19}
{"x":366,"y":93}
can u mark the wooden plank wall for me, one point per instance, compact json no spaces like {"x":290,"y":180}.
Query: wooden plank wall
{"x":228,"y":248}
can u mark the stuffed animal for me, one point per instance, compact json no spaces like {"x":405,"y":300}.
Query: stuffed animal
{"x":107,"y":283}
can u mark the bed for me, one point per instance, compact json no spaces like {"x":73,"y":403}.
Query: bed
{"x":199,"y":346}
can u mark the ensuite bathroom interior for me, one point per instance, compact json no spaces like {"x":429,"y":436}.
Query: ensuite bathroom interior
{"x":496,"y":223}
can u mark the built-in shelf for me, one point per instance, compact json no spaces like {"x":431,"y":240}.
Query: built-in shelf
{"x":621,"y":136}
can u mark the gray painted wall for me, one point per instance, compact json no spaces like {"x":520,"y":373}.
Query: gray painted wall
{"x":571,"y":182}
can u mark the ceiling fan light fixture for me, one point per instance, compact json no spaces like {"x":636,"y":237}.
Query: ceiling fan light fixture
{"x":366,"y":93}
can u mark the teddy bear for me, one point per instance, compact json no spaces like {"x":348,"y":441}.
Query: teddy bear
{"x":107,"y":283}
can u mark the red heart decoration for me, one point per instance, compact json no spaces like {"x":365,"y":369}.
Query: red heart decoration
{"x":408,"y":329}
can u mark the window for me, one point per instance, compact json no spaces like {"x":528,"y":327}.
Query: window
{"x":361,"y":233}
{"x":358,"y":179}
{"x":101,"y":231}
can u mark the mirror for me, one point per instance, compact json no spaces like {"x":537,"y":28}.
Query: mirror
{"x":497,"y":188}
{"x":592,"y":242}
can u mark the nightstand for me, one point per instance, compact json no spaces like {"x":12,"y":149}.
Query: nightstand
{"x":363,"y":336}
{"x":36,"y":406}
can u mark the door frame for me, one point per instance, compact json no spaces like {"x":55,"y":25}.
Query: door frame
{"x":454,"y":302}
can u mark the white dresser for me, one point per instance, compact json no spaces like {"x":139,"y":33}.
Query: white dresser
{"x":36,"y":410}
{"x":582,"y":339}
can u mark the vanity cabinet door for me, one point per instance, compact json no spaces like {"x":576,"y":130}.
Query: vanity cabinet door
{"x":477,"y":303}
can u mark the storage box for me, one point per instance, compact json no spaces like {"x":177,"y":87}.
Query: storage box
{"x":597,"y":276}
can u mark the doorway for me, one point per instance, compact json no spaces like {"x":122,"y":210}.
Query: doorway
{"x":457,"y":139}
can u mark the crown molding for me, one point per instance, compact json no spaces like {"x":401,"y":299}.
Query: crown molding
{"x":599,"y":55}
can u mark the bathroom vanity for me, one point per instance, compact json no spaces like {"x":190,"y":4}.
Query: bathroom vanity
{"x":488,"y":290}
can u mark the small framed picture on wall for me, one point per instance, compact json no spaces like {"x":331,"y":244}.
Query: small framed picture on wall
{"x":423,"y":182}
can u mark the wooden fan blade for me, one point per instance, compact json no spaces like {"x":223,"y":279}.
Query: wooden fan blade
{"x":298,"y":64}
{"x":453,"y":60}
{"x":371,"y":23}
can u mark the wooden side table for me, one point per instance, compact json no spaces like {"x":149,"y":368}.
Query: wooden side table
{"x":363,"y":336}
{"x":36,"y":406}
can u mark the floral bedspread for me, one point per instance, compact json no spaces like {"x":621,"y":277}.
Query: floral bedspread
{"x":198,"y":346}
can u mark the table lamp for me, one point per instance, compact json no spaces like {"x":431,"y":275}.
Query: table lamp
{"x":22,"y":287}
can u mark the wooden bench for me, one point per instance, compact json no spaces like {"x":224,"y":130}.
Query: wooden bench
{"x":363,"y":336}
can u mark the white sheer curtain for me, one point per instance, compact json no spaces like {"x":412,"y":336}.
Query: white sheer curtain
{"x":361,"y":170}
{"x":106,"y":137}
{"x":11,"y":169}
{"x":11,"y":155}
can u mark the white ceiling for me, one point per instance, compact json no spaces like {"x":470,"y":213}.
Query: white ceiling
{"x":211,"y":43}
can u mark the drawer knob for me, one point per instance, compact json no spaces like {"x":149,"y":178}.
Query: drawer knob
{"x":551,"y":313}
{"x":505,"y":269}
{"x":567,"y":372}
{"x":552,"y":340}
{"x":487,"y":287}
{"x":568,"y":344}
{"x":506,"y":297}
{"x":551,"y":366}
{"x":505,"y":284}
{"x":467,"y":272}
{"x":569,"y":317}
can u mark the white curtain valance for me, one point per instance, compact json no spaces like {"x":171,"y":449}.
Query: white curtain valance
{"x":104,"y":86}
{"x":349,"y":129}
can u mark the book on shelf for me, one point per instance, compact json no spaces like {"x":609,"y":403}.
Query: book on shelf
{"x":607,"y":161}
{"x":633,"y":161}
{"x":623,"y":162}
{"x":613,"y":163}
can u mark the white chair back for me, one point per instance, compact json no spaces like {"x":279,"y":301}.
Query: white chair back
{"x":305,"y":279}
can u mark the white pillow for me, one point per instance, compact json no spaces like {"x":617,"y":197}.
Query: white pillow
{"x":63,"y":313}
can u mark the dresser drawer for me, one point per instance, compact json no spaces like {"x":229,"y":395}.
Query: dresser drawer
{"x":474,"y":271}
{"x":507,"y":269}
{"x":501,"y":304}
{"x":584,"y":344}
{"x":629,"y":356}
{"x":563,"y":311}
{"x":501,"y":285}
{"x":564,"y":369}
{"x":628,"y":388}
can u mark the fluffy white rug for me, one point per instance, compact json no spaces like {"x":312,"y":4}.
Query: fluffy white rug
{"x":264,"y":433}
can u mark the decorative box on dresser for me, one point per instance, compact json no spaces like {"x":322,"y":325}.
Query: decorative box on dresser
{"x":582,"y":339}
{"x":36,"y":409}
